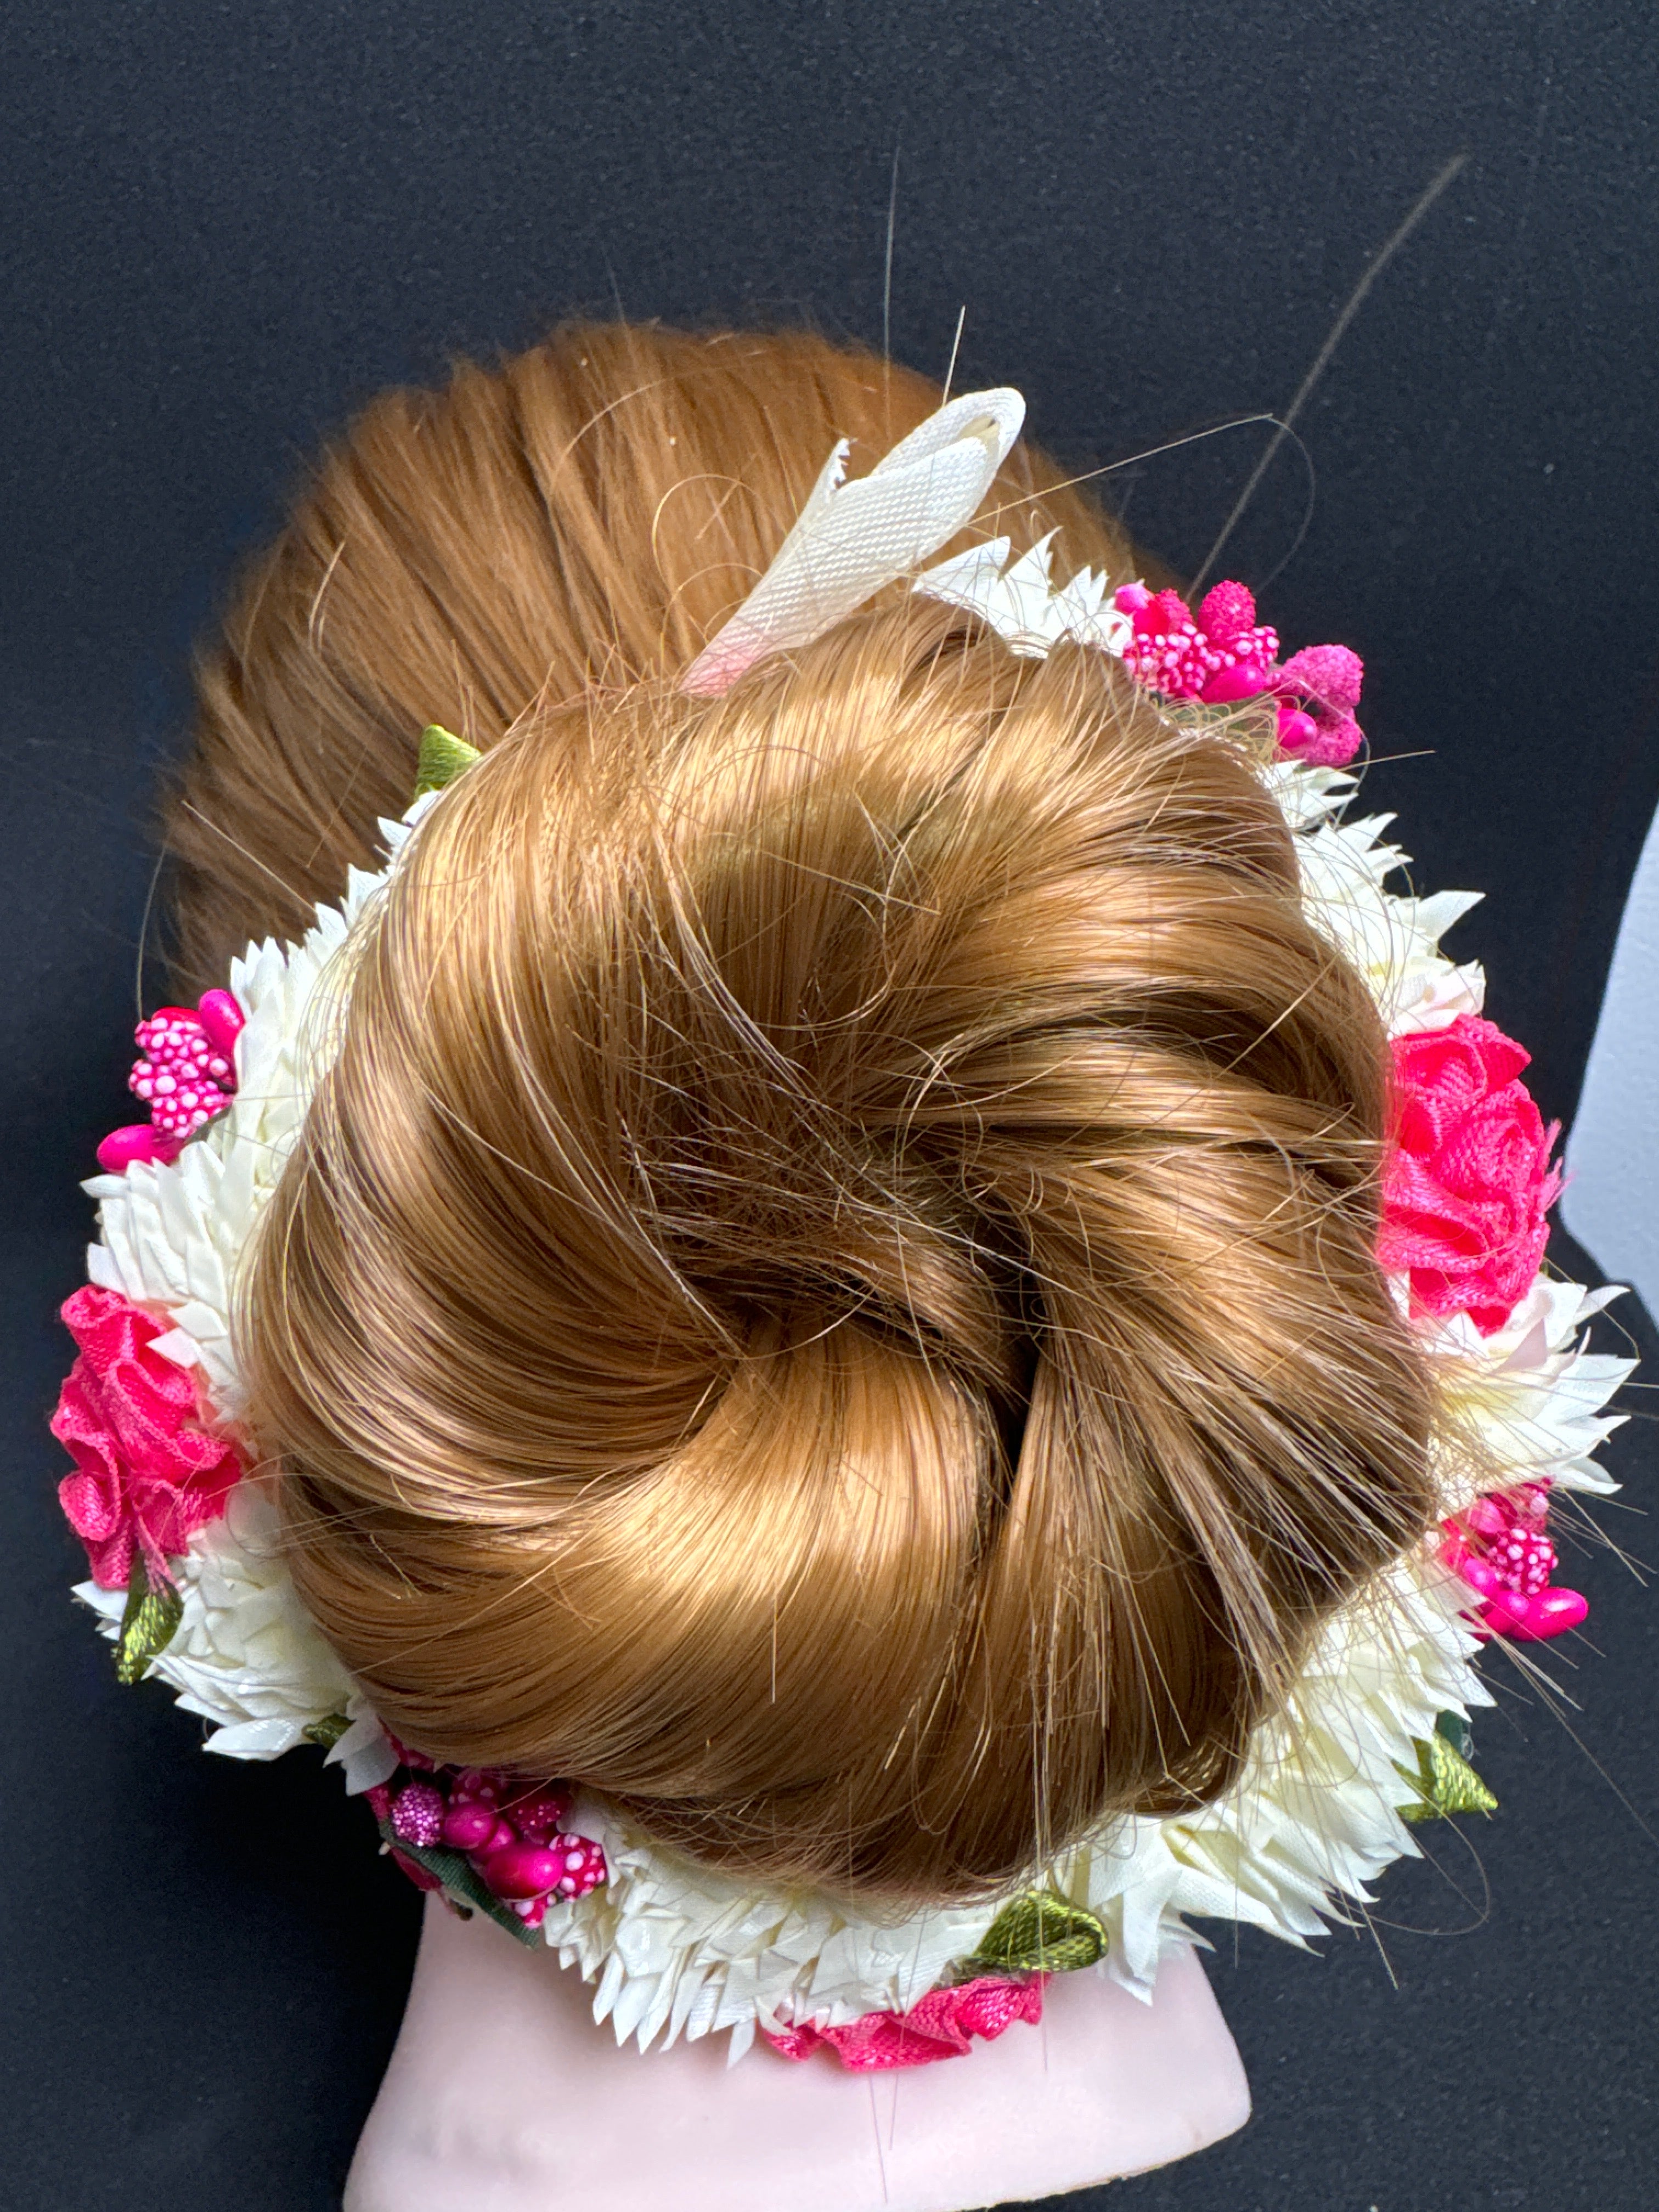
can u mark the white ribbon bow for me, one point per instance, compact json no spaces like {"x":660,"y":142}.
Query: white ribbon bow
{"x":850,"y":539}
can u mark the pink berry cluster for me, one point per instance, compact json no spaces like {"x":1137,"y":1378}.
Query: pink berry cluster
{"x":1223,"y":655}
{"x":187,"y":1076}
{"x":183,"y":1078}
{"x":507,"y":1830}
{"x":1500,"y":1548}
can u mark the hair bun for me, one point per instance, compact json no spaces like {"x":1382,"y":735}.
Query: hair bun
{"x":830,"y":1291}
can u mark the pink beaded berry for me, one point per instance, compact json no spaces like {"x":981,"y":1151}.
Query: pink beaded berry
{"x":1223,"y":653}
{"x":507,"y":1829}
{"x":418,"y":1813}
{"x":186,"y":1075}
{"x":583,"y":1867}
{"x":1499,"y":1548}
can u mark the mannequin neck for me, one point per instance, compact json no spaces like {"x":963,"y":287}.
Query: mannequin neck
{"x":503,"y":2096}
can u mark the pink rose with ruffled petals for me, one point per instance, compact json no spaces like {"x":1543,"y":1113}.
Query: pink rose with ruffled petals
{"x":942,"y":2026}
{"x":147,"y":1472}
{"x":1468,"y":1182}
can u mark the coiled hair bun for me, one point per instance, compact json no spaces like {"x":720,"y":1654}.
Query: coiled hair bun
{"x":830,"y":1292}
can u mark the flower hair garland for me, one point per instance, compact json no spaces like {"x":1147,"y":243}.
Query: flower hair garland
{"x":188,"y":1577}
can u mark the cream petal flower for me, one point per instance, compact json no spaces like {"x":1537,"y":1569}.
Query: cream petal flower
{"x":1394,"y":942}
{"x":1022,"y":604}
{"x":1533,"y":1394}
{"x":247,"y":1656}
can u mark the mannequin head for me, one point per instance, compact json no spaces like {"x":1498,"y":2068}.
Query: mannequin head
{"x":830,"y":1291}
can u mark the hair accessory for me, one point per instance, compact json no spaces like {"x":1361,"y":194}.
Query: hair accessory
{"x":850,"y":540}
{"x":486,"y":1839}
{"x":189,"y":1576}
{"x":1470,"y":1182}
{"x":1223,"y":655}
{"x":1500,"y":1548}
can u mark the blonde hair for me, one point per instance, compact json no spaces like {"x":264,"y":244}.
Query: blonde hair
{"x":829,"y":1292}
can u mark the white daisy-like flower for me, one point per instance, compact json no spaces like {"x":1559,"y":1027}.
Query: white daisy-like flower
{"x":247,"y":1656}
{"x":1313,"y":1818}
{"x":1021,"y":603}
{"x":679,"y":1948}
{"x":1532,"y":1394}
{"x":1394,"y":942}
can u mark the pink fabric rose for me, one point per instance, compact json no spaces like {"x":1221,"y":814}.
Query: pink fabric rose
{"x":942,"y":2026}
{"x":147,"y":1472}
{"x":1468,"y":1182}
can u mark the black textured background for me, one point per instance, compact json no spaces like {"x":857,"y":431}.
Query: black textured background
{"x":222,"y":226}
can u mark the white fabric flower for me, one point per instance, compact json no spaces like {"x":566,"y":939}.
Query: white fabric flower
{"x":1532,"y":1394}
{"x":1022,"y":604}
{"x":1395,"y":943}
{"x":679,"y":1948}
{"x":247,"y":1656}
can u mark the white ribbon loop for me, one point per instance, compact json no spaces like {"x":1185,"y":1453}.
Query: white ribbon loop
{"x":851,"y":539}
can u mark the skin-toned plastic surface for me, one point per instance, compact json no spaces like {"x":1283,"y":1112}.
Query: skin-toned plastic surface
{"x":503,"y":2096}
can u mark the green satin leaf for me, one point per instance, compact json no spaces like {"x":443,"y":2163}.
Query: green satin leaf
{"x":1036,"y":1934}
{"x":149,"y":1625}
{"x":442,"y":756}
{"x":1457,"y":1732}
{"x":1445,"y":1782}
{"x":463,"y":1884}
{"x":327,"y":1732}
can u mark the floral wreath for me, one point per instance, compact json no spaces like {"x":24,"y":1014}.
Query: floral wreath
{"x":189,"y":1577}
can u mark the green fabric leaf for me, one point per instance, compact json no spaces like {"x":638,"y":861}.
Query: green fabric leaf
{"x":327,"y":1732}
{"x":442,"y":756}
{"x":1036,"y":1934}
{"x":149,"y":1625}
{"x":462,"y":1882}
{"x":1444,"y":1781}
{"x":1457,"y":1732}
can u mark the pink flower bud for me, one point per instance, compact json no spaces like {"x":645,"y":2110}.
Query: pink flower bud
{"x":537,"y":1815}
{"x":1532,"y":1619}
{"x":469,"y":1827}
{"x":522,"y":1870}
{"x":1227,"y":612}
{"x":417,"y":1814}
{"x":138,"y":1141}
{"x":222,"y":1019}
